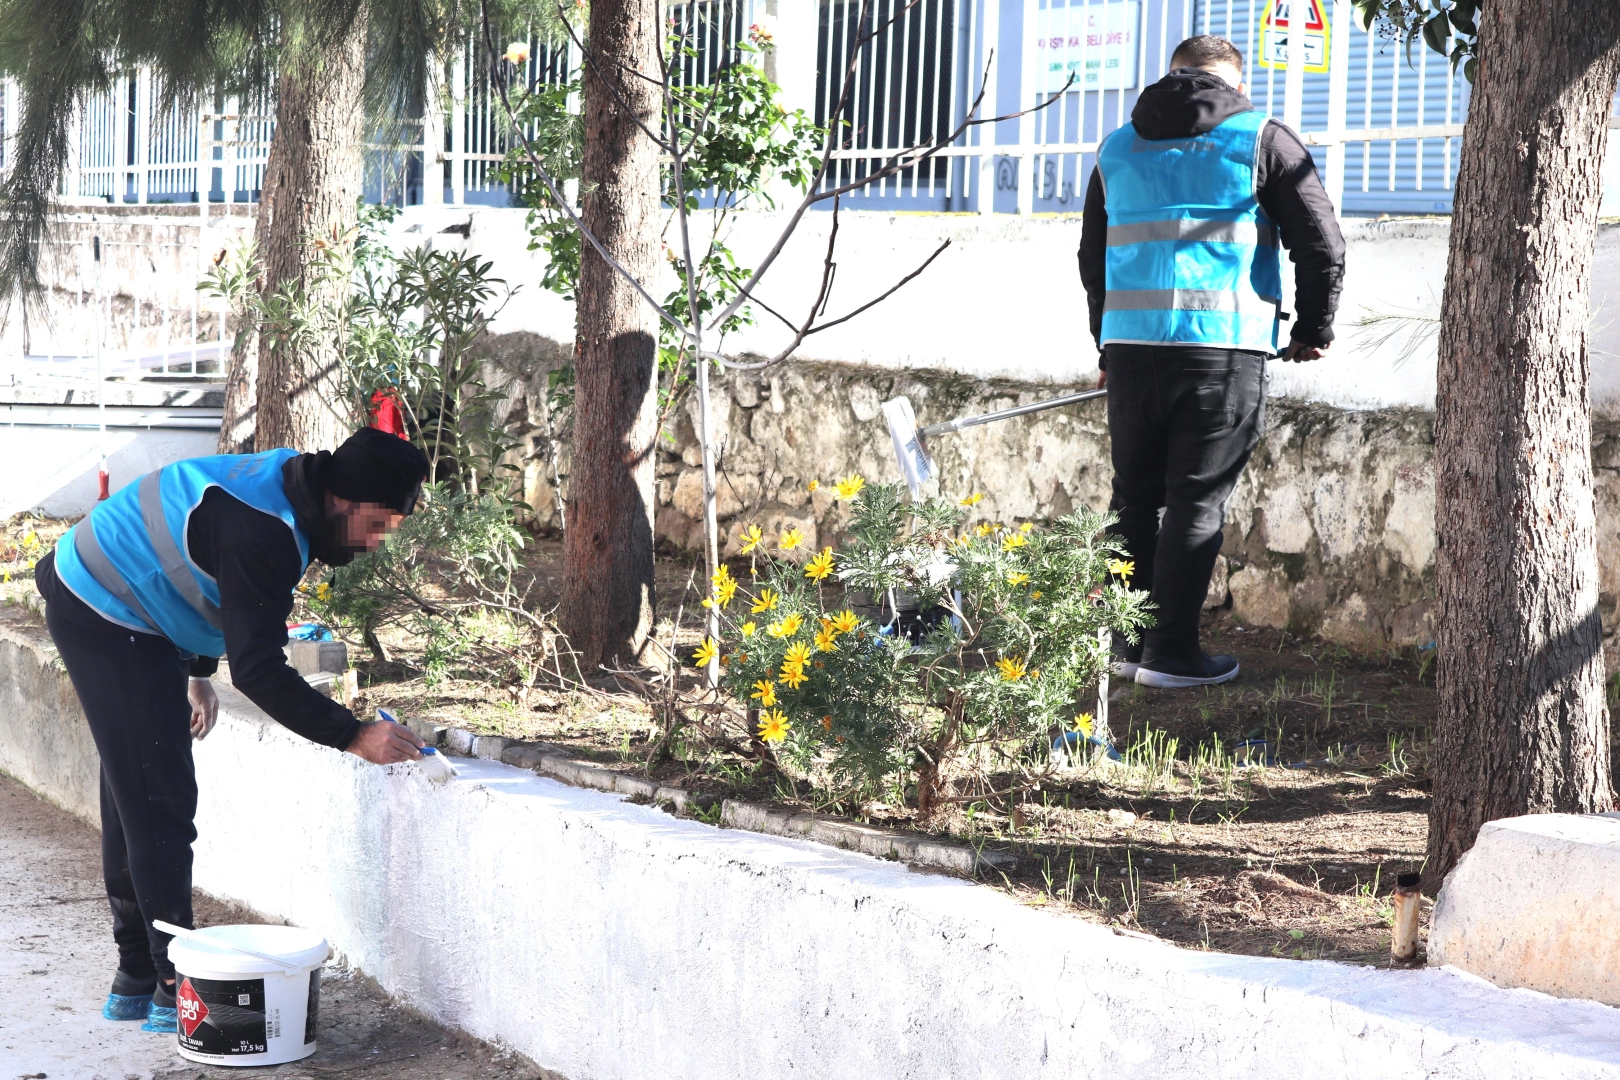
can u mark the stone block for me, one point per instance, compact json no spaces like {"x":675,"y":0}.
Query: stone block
{"x":310,"y":657}
{"x":489,"y":747}
{"x":523,"y":755}
{"x":1219,"y":591}
{"x":1535,"y":904}
{"x":459,"y":741}
{"x":426,"y":730}
{"x":1260,"y":597}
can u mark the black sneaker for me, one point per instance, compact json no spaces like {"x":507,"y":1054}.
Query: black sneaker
{"x":1126,"y":659}
{"x":1184,"y":670}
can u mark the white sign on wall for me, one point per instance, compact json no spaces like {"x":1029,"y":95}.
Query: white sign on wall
{"x":1093,"y":42}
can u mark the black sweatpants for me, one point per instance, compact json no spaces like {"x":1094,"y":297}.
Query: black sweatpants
{"x":133,"y":690}
{"x":1183,"y":421}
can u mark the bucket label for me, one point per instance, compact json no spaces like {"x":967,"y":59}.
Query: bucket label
{"x":223,"y":1018}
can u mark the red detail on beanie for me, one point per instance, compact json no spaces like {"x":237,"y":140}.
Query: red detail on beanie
{"x":386,"y":415}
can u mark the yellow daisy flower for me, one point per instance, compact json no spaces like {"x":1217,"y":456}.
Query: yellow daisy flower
{"x":972,"y":500}
{"x":747,"y":629}
{"x":1121,"y":567}
{"x":1014,"y":540}
{"x":766,"y":692}
{"x":845,"y":622}
{"x":793,"y":677}
{"x":798,"y":654}
{"x":750,"y":537}
{"x":850,"y":486}
{"x":1018,"y":579}
{"x":1012,"y":668}
{"x":705,"y":653}
{"x":774,"y":726}
{"x":818,"y":568}
{"x":765,"y":601}
{"x":787,"y":626}
{"x":826,"y":640}
{"x":726,"y":590}
{"x":984,"y":529}
{"x":812,"y":486}
{"x":791,"y":539}
{"x":1083,"y":724}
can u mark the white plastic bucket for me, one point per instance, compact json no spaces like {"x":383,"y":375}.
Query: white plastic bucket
{"x":235,"y":1009}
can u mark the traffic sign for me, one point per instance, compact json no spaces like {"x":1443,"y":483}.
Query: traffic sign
{"x":1275,"y":26}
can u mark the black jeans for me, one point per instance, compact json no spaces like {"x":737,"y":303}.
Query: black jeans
{"x":1183,"y":421}
{"x":133,"y":690}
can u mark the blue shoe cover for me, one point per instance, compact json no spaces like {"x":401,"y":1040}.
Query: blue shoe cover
{"x":161,"y":1020}
{"x":126,"y":1006}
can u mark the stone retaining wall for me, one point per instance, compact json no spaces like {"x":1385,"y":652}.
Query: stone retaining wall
{"x":1330,"y":531}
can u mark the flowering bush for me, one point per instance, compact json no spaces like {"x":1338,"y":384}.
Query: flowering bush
{"x":1013,"y":641}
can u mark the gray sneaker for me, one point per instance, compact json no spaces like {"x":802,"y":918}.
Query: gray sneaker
{"x":1192,"y":669}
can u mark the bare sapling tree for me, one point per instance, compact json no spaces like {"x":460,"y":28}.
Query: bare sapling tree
{"x":699,"y":322}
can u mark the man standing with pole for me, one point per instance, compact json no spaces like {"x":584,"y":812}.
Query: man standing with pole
{"x":1179,"y":255}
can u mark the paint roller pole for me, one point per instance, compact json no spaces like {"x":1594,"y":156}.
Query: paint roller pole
{"x":101,"y":380}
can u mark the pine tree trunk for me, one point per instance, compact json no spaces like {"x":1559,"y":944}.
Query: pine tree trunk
{"x":607,"y":604}
{"x":312,"y":194}
{"x":1522,"y":726}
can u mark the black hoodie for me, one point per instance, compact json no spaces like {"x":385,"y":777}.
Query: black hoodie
{"x":1190,"y":102}
{"x":254,"y":558}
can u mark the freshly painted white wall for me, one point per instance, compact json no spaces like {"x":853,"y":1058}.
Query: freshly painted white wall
{"x":1004,"y":300}
{"x":54,"y":469}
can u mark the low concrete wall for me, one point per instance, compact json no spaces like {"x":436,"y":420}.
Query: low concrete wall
{"x":1534,"y":903}
{"x":606,"y":939}
{"x":44,"y":740}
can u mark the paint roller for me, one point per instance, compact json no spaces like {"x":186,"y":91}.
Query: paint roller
{"x":910,"y":445}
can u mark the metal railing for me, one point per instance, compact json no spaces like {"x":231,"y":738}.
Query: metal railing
{"x":1382,"y":119}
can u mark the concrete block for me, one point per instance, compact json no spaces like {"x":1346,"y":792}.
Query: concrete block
{"x":426,"y":730}
{"x":459,"y":741}
{"x":523,"y":755}
{"x":489,"y":747}
{"x":324,"y":682}
{"x":635,"y":787}
{"x":1535,"y":903}
{"x":309,"y":657}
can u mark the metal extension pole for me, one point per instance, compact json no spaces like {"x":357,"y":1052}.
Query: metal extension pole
{"x":1007,"y":414}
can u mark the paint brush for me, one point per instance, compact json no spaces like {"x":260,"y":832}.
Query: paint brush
{"x":434,"y":765}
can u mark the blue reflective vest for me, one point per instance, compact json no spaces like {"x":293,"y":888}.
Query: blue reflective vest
{"x":1192,"y":259}
{"x":128,"y":559}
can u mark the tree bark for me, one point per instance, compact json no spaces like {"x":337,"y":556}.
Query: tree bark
{"x":607,"y":607}
{"x":1522,"y":725}
{"x":310,"y":195}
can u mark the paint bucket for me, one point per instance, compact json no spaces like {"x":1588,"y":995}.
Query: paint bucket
{"x":236,"y":1009}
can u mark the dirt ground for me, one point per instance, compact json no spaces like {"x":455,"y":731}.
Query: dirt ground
{"x":60,"y":959}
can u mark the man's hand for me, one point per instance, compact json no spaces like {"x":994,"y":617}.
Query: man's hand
{"x":1298,"y":351}
{"x":383,"y":742}
{"x":204,"y":707}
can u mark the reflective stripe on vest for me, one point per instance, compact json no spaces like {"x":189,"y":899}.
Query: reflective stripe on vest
{"x":128,"y":558}
{"x":1191,"y":258}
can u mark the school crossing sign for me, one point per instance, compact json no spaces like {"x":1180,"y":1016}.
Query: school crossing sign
{"x":1277,"y":23}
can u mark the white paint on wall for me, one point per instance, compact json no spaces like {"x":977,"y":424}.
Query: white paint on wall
{"x":53,"y":469}
{"x":607,"y":940}
{"x":1005,"y":301}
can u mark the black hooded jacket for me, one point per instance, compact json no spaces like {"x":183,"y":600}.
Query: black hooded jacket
{"x":1190,"y":102}
{"x":254,"y":558}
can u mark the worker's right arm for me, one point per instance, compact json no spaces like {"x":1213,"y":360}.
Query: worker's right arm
{"x":254,"y":558}
{"x":1094,"y":253}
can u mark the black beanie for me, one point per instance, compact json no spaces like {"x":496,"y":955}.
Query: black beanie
{"x":373,"y":466}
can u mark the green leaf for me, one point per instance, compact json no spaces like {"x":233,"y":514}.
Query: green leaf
{"x":1468,"y":69}
{"x":1367,"y":12}
{"x":1435,"y":32}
